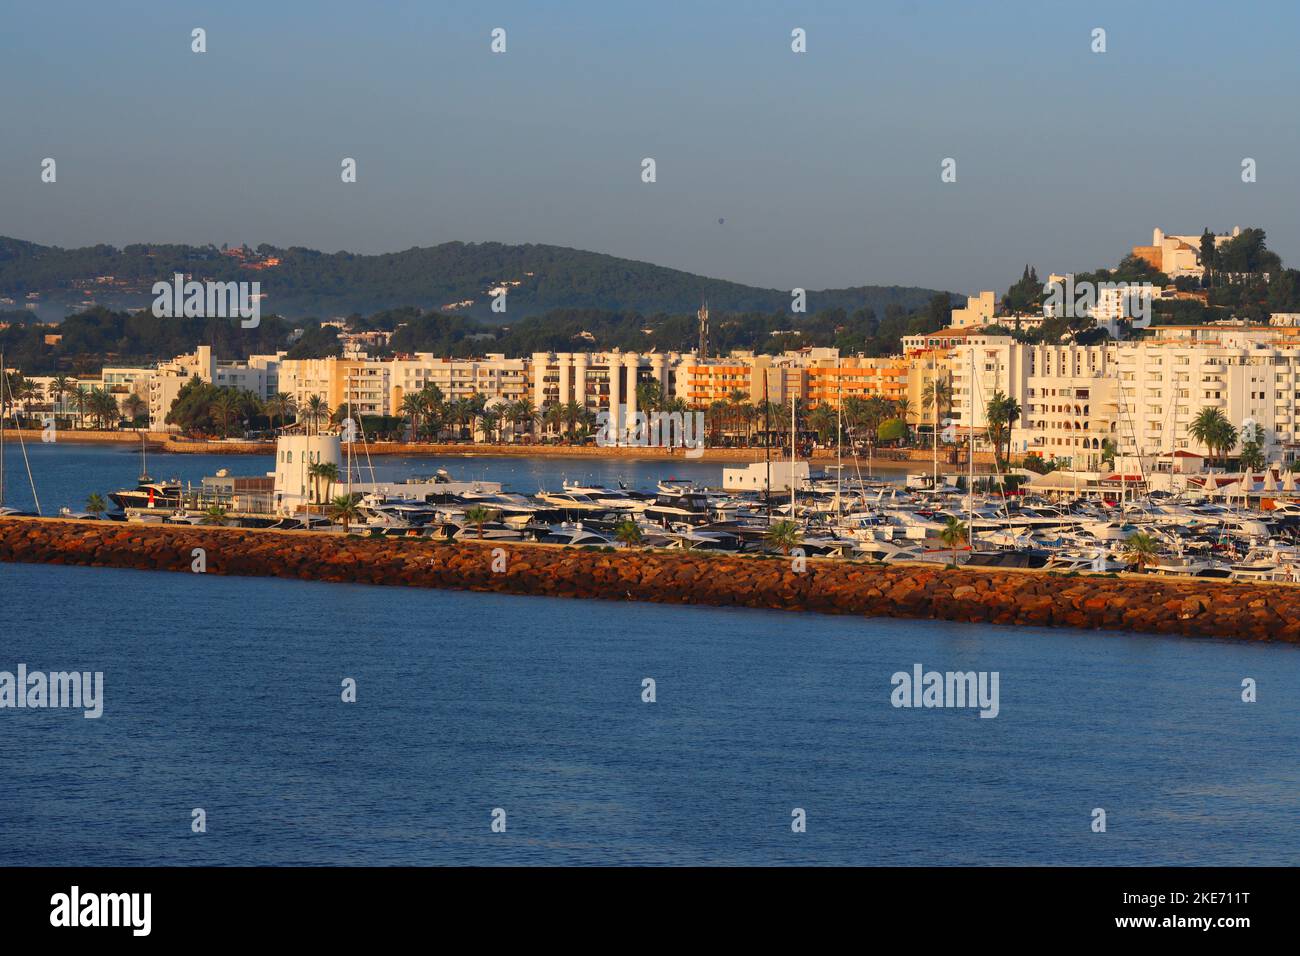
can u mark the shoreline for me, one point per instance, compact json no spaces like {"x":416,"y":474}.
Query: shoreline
{"x":1187,"y":607}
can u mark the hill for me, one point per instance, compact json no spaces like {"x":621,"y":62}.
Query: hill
{"x":453,"y":278}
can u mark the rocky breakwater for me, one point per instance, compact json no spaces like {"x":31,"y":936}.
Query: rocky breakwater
{"x":1192,"y":607}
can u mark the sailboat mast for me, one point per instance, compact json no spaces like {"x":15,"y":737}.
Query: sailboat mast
{"x":346,"y":427}
{"x":767,"y":448}
{"x":792,"y":432}
{"x":934,"y":399}
{"x":839,"y":448}
{"x":2,"y":430}
{"x":970,"y":445}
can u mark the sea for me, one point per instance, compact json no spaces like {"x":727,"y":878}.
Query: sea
{"x":310,"y":723}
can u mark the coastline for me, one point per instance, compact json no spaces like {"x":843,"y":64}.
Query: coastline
{"x":1188,"y":607}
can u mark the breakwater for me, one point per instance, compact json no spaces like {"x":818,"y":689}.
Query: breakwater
{"x":1186,"y":606}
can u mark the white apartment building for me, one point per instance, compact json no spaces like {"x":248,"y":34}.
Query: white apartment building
{"x":601,"y":381}
{"x":1068,"y":411}
{"x":493,"y":376}
{"x":1144,"y":396}
{"x":977,"y":313}
{"x":167,"y":380}
{"x":259,"y":375}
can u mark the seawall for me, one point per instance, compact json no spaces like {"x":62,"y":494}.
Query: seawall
{"x":1186,"y":606}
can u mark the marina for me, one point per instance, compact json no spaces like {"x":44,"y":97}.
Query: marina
{"x":1220,"y":526}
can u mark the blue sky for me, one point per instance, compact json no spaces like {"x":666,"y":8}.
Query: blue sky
{"x":824,"y":166}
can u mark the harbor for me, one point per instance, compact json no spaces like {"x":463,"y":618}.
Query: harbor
{"x":1205,"y":524}
{"x":1260,"y":611}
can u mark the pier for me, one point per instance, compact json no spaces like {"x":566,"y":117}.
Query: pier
{"x":1250,"y":611}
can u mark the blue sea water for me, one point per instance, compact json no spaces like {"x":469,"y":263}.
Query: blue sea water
{"x":65,"y":473}
{"x":225,"y":694}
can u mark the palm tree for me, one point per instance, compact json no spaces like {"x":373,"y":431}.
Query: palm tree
{"x":479,"y":516}
{"x":954,"y":533}
{"x":1108,"y":451}
{"x":96,"y":505}
{"x":629,"y":532}
{"x":223,"y":408}
{"x":344,"y":510}
{"x":554,"y":417}
{"x":103,"y":407}
{"x":61,"y":386}
{"x":572,"y":416}
{"x":316,"y":411}
{"x":1001,"y":413}
{"x":214,"y":515}
{"x":490,"y":421}
{"x":784,"y":535}
{"x":432,"y":408}
{"x":823,"y":421}
{"x":325,"y":471}
{"x":903,"y":409}
{"x":1212,"y":429}
{"x":134,"y":406}
{"x":1252,"y":455}
{"x":28,"y":392}
{"x":80,"y":395}
{"x":413,"y":407}
{"x":937,"y":395}
{"x":281,"y":406}
{"x":523,"y":411}
{"x":1141,"y":549}
{"x":649,"y":396}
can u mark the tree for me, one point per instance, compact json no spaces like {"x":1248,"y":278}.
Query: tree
{"x":103,"y":407}
{"x":316,"y":411}
{"x":1141,"y":549}
{"x":1212,"y":429}
{"x":784,"y":535}
{"x":1209,"y":256}
{"x":81,"y":395}
{"x":1252,"y":454}
{"x":479,"y":516}
{"x":1026,"y":295}
{"x":224,"y":408}
{"x":322,"y":471}
{"x":649,"y":396}
{"x":135,"y":407}
{"x":629,"y":532}
{"x":953,"y":534}
{"x":1001,"y":413}
{"x":95,"y":504}
{"x":343,"y":510}
{"x":62,"y":385}
{"x":522,"y":411}
{"x":1108,"y":451}
{"x":280,"y":406}
{"x":215,"y":515}
{"x":937,"y":395}
{"x":892,"y":429}
{"x":903,"y":409}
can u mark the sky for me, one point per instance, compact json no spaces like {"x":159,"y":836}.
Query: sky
{"x":773,"y":168}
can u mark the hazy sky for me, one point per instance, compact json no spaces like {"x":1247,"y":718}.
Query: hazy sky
{"x":824,"y":166}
